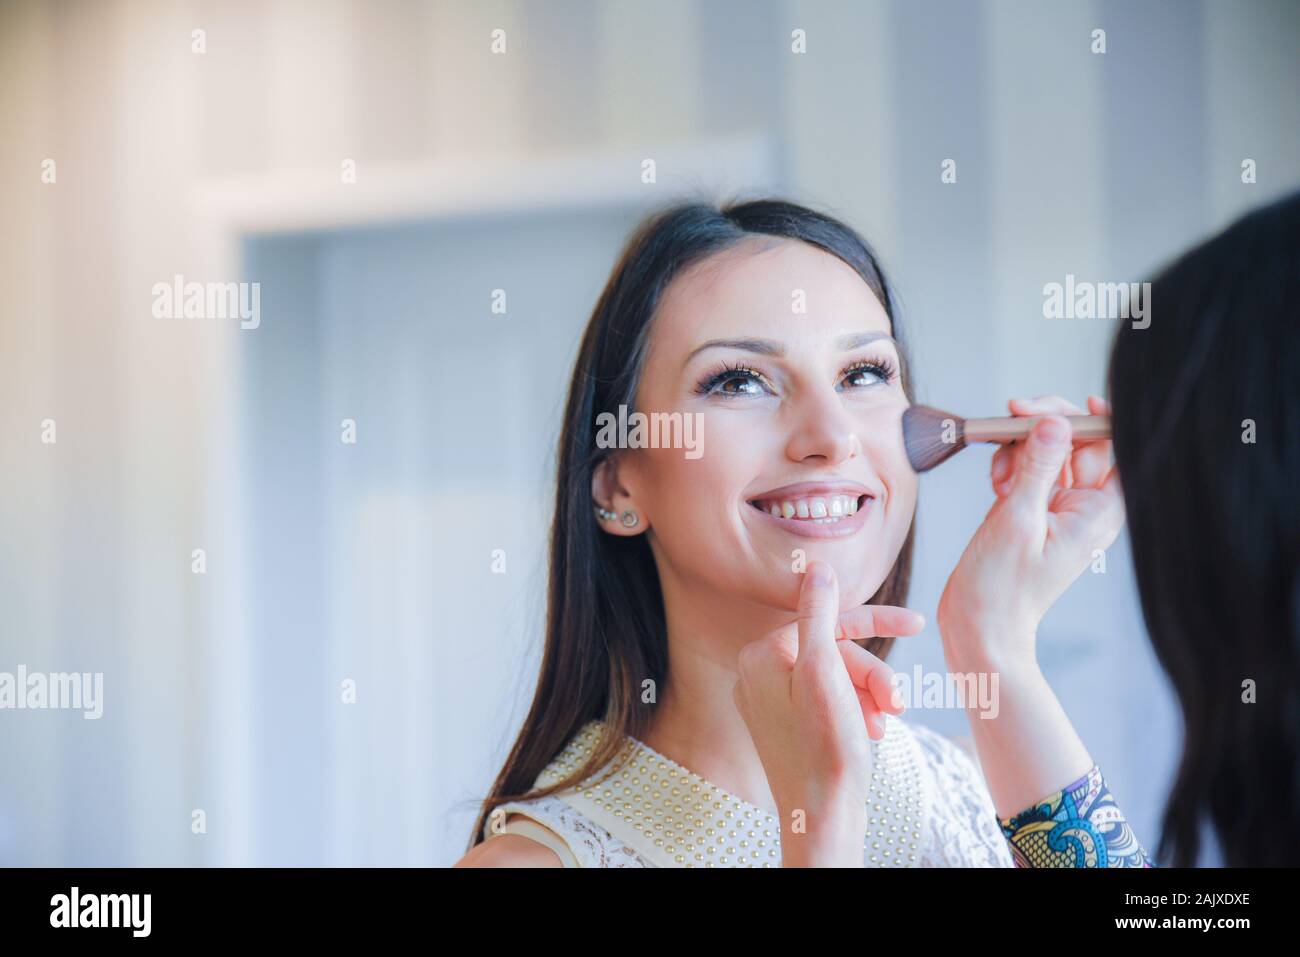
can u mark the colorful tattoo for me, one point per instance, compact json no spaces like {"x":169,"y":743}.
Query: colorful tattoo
{"x":1078,"y":826}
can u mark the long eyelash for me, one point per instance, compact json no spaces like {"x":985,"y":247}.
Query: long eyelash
{"x":722,"y":373}
{"x":880,"y":366}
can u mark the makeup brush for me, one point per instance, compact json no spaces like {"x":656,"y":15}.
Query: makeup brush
{"x":932,"y":436}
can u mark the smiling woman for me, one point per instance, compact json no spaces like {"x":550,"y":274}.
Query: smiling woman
{"x":677,"y":599}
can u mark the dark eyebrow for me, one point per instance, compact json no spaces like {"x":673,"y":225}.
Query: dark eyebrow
{"x":770,"y":347}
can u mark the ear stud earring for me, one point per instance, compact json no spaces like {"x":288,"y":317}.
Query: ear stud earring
{"x":629,"y":518}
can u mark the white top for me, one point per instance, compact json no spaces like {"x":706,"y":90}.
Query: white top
{"x":927,"y":806}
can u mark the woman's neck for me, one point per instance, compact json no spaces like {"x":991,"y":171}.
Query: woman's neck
{"x":695,"y":721}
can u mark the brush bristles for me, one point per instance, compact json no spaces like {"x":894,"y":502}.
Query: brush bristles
{"x":931,"y":436}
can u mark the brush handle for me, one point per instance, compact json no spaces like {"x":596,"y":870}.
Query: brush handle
{"x":1016,"y":428}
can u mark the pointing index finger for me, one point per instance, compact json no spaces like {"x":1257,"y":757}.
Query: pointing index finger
{"x":819,"y":606}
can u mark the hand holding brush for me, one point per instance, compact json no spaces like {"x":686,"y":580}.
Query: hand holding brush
{"x":932,"y":436}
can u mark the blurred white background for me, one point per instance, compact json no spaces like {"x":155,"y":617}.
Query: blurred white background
{"x":521,"y":172}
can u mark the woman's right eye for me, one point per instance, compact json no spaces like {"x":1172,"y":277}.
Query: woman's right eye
{"x":735,"y":381}
{"x":746,"y":383}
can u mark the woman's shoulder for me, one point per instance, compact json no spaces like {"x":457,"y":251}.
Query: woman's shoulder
{"x":511,"y":850}
{"x":548,"y":821}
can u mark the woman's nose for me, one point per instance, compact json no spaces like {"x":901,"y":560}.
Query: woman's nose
{"x":822,"y":428}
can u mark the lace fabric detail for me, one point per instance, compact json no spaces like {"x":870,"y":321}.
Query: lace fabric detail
{"x":591,"y":844}
{"x":960,"y":827}
{"x":963,"y":829}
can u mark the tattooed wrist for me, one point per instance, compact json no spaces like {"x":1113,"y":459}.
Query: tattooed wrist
{"x":1078,"y":826}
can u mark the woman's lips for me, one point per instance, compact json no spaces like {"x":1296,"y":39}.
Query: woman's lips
{"x":808,"y":528}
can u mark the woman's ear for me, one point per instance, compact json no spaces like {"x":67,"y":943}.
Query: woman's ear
{"x":621,"y":515}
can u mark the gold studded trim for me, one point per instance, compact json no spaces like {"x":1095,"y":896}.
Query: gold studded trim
{"x":673,"y":817}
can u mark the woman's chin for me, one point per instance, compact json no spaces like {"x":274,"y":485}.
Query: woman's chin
{"x":783,"y":594}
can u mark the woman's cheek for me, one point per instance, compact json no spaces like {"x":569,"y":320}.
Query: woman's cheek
{"x":900,"y":508}
{"x":905,"y":505}
{"x":690,"y":499}
{"x":889,"y":457}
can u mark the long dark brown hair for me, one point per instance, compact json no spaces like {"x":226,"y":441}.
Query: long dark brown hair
{"x":605,"y":630}
{"x":1207,"y":441}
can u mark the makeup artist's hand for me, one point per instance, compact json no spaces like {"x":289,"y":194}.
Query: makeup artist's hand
{"x":1057,"y":504}
{"x":808,"y":694}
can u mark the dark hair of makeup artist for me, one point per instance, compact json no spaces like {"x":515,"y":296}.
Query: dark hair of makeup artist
{"x":1206,"y":406}
{"x":605,"y":629}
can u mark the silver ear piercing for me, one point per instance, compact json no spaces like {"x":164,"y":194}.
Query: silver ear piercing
{"x":629,"y":518}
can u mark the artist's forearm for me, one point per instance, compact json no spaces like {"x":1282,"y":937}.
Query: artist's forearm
{"x":1027,"y":746}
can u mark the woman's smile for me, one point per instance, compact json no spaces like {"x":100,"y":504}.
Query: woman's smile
{"x":816,"y":509}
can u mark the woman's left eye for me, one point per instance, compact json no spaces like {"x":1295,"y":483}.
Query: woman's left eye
{"x":868,"y":373}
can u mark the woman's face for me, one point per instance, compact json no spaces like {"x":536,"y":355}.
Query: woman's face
{"x":786,"y":355}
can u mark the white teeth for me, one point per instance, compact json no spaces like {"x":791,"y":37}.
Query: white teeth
{"x":823,"y":510}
